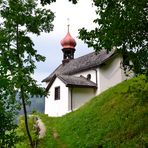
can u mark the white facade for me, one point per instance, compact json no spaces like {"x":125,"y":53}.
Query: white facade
{"x":107,"y":75}
{"x":71,"y":98}
{"x":57,"y":107}
{"x":80,"y":96}
{"x":110,"y":73}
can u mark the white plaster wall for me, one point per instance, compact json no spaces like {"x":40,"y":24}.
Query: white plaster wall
{"x":69,"y":99}
{"x":85,"y":73}
{"x":57,"y":107}
{"x":110,"y":73}
{"x":129,"y":74}
{"x":93,"y":73}
{"x":81,"y":95}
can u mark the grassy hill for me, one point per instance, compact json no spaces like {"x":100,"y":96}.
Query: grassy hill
{"x":117,"y":118}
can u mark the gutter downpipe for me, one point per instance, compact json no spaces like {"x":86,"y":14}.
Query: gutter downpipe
{"x":96,"y":81}
{"x":96,"y":77}
{"x":71,"y":99}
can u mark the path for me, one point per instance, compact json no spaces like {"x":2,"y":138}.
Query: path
{"x":56,"y":137}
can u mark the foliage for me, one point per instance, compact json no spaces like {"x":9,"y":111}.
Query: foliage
{"x":115,"y":118}
{"x":17,"y":53}
{"x":21,"y":131}
{"x":44,"y":2}
{"x":121,"y":24}
{"x":139,"y":89}
{"x":8,"y":110}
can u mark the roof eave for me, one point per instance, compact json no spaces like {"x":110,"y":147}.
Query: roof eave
{"x":51,"y":82}
{"x":81,"y":86}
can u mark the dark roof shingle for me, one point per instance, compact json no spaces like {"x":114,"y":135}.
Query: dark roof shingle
{"x":85,"y":62}
{"x":73,"y":81}
{"x":76,"y":81}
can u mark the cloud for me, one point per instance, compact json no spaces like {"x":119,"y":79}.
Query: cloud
{"x":81,"y":15}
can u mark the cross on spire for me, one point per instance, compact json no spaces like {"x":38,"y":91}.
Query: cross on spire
{"x":68,"y":24}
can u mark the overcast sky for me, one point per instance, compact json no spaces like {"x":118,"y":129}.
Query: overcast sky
{"x":80,"y":15}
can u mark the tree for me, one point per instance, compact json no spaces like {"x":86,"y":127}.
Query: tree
{"x":121,"y":24}
{"x":8,"y":112}
{"x":8,"y":105}
{"x":44,"y":2}
{"x":17,"y":53}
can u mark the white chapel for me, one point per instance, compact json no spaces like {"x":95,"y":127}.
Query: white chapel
{"x":77,"y":80}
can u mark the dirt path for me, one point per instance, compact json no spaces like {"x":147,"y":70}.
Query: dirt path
{"x":56,"y":136}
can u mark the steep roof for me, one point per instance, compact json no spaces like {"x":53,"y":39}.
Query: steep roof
{"x":83,"y":63}
{"x":76,"y":81}
{"x":73,"y":81}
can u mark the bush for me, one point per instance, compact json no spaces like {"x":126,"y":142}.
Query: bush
{"x":8,"y":137}
{"x":34,"y":131}
{"x":139,"y":88}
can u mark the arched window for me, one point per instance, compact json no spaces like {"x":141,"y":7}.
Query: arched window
{"x":88,"y":76}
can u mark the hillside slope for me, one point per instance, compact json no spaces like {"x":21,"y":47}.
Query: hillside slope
{"x":116,"y":118}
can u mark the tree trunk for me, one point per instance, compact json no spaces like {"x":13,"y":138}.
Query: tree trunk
{"x":22,"y":89}
{"x":25,"y":115}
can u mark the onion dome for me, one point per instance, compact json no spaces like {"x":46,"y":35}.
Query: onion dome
{"x":68,"y":41}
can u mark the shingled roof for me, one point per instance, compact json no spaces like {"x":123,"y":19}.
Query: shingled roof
{"x":76,"y":81}
{"x":83,"y":63}
{"x":73,"y":81}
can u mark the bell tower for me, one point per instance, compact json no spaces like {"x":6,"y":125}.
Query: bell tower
{"x":68,"y":43}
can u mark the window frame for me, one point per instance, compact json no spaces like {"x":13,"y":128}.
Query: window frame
{"x":57,"y":93}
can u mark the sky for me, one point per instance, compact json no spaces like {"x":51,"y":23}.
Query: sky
{"x":48,"y":44}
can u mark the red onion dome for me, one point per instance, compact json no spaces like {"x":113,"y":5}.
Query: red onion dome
{"x":68,"y":41}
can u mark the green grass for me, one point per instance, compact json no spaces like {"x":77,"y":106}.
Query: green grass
{"x":21,"y":132}
{"x":117,"y":118}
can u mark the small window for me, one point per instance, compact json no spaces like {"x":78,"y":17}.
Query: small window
{"x":57,"y":93}
{"x":88,"y":76}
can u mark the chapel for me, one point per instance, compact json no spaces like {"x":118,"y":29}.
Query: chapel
{"x":77,"y":80}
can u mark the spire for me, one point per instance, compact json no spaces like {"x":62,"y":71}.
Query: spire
{"x":68,"y":43}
